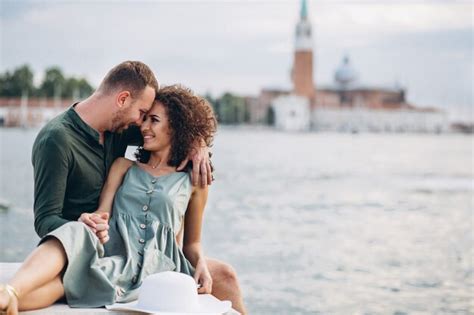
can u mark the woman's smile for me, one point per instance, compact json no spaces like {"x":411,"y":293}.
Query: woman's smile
{"x":148,"y":137}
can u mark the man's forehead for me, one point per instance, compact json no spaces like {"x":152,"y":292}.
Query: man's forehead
{"x":147,"y":98}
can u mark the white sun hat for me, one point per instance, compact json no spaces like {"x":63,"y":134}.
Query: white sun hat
{"x":172,"y":293}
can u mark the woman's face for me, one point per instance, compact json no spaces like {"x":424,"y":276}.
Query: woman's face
{"x":155,"y":129}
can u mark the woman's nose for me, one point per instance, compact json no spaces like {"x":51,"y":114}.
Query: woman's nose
{"x":143,"y":125}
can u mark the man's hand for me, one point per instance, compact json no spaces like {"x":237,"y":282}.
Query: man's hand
{"x":98,"y":223}
{"x":202,"y":169}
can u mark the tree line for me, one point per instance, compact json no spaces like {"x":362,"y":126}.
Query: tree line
{"x":229,"y":108}
{"x":20,"y":81}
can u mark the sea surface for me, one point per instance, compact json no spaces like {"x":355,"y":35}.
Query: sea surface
{"x":317,"y":223}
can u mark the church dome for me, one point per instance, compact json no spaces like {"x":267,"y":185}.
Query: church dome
{"x":345,"y":74}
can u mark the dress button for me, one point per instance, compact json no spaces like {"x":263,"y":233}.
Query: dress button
{"x":134,"y":279}
{"x":142,"y":226}
{"x":139,"y":265}
{"x":145,"y":208}
{"x":142,"y":241}
{"x":153,"y":181}
{"x":140,"y":253}
{"x":149,"y":191}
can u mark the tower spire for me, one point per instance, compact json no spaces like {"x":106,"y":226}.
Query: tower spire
{"x":304,"y":10}
{"x":303,"y":38}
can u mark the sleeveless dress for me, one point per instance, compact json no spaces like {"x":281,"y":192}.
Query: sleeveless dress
{"x":147,"y":214}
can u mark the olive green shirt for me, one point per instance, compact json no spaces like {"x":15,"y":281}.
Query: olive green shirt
{"x":70,"y":168}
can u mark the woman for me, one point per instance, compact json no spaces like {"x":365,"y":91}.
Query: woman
{"x":154,"y":206}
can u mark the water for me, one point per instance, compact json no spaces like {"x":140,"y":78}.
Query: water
{"x":318,"y":223}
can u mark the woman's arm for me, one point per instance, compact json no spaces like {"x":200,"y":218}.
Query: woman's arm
{"x":113,"y":182}
{"x":192,"y":238}
{"x":97,"y":220}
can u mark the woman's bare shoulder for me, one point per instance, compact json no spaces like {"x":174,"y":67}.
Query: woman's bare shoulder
{"x":122,"y":163}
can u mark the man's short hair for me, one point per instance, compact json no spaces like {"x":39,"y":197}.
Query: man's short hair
{"x":133,"y":76}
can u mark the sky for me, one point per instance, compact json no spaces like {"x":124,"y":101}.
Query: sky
{"x":243,"y":46}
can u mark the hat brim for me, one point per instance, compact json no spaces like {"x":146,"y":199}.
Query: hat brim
{"x":208,"y":305}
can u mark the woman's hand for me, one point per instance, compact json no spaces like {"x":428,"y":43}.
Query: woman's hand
{"x":98,"y":223}
{"x":203,"y":277}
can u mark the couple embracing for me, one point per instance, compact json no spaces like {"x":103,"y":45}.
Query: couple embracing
{"x":105,"y":222}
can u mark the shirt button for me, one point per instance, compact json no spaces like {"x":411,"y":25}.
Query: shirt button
{"x":142,"y":241}
{"x":149,"y":191}
{"x":145,"y":208}
{"x":153,"y":181}
{"x":142,"y":226}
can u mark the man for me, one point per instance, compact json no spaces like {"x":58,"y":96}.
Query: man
{"x":72,"y":155}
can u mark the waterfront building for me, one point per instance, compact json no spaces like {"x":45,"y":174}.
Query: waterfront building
{"x":291,"y":112}
{"x":30,"y":112}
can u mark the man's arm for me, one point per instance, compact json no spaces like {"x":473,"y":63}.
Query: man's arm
{"x":50,"y":164}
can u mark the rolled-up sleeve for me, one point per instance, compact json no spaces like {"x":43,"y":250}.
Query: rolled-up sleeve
{"x":51,"y":167}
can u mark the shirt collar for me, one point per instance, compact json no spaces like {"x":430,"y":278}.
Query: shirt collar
{"x":80,"y":124}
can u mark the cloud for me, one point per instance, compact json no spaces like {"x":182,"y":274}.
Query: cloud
{"x":244,"y":45}
{"x":394,"y":17}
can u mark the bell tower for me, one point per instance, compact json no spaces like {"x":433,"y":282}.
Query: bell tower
{"x":302,"y":72}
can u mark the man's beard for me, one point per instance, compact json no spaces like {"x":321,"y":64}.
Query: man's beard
{"x":118,"y":121}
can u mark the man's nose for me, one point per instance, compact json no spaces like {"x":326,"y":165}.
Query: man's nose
{"x":139,"y":120}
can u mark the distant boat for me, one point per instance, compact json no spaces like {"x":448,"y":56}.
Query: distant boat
{"x":463,"y":127}
{"x":4,"y":205}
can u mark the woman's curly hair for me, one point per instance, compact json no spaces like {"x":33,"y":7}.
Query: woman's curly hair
{"x":191,"y":120}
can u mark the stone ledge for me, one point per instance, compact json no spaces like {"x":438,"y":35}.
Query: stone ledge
{"x":8,"y":269}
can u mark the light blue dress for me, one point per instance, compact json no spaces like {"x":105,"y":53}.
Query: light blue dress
{"x":148,"y":213}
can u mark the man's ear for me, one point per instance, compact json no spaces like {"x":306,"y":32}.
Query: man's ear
{"x":122,"y":98}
